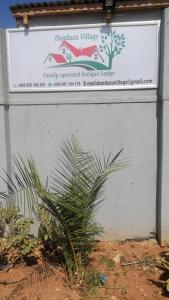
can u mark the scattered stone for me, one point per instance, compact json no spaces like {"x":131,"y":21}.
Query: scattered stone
{"x":114,"y":298}
{"x":117,"y":258}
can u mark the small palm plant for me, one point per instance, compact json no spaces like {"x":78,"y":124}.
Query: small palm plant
{"x":165,"y":264}
{"x":75,"y":192}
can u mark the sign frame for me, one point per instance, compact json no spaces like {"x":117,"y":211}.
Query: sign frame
{"x":88,"y":88}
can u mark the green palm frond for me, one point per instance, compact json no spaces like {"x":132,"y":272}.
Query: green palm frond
{"x":20,"y":189}
{"x":78,"y":181}
{"x":76,"y":191}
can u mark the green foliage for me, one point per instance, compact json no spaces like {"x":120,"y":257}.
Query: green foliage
{"x":165,"y":264}
{"x":74,"y":196}
{"x":15,"y":233}
{"x":47,"y":224}
{"x":20,"y":237}
{"x":108,"y":262}
{"x":7,"y":216}
{"x":94,"y":281}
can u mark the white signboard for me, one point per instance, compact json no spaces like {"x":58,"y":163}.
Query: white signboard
{"x":88,"y":57}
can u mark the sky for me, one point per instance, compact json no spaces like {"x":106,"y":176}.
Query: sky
{"x":6,"y":19}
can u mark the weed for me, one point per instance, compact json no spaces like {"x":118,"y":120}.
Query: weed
{"x":47,"y":224}
{"x":15,"y":236}
{"x":149,"y":261}
{"x":20,"y":237}
{"x":122,"y":259}
{"x":94,"y":281}
{"x":108,"y":262}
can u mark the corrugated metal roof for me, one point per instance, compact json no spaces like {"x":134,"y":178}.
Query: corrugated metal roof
{"x":119,"y":3}
{"x":53,"y":3}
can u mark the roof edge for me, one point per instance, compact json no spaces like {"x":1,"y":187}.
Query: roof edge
{"x":120,"y":4}
{"x":83,"y":6}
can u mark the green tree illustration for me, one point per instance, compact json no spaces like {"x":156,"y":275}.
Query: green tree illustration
{"x":112,"y":45}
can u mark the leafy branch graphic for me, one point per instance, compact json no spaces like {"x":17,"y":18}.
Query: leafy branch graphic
{"x":112,"y":43}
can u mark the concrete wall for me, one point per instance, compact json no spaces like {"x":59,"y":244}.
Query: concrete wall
{"x":163,"y":174}
{"x":129,"y":209}
{"x":3,"y":164}
{"x":38,"y":122}
{"x":3,"y":121}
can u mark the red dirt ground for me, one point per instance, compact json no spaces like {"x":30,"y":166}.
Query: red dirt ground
{"x":135,"y":275}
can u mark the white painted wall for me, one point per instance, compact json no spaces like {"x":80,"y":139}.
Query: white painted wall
{"x":3,"y":164}
{"x":163,"y":138}
{"x":130,"y":195}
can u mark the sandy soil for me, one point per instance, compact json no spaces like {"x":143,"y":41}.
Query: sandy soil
{"x":132,"y":268}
